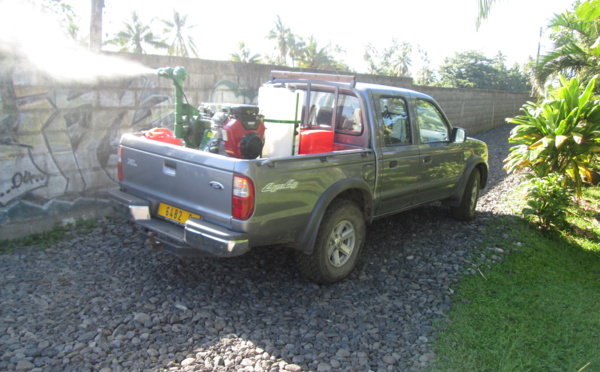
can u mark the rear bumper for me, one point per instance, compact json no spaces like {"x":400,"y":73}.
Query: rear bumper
{"x":195,"y":238}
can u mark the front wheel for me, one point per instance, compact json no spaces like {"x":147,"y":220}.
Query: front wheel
{"x":466,"y":210}
{"x":339,"y":241}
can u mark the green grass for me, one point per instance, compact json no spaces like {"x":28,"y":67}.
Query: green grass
{"x":48,"y":238}
{"x":537,"y":311}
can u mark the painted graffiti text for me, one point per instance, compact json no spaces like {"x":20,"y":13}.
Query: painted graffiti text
{"x":20,"y":179}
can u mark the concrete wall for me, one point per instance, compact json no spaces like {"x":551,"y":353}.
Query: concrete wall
{"x":58,"y":140}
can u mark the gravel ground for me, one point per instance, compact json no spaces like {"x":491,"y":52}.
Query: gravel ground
{"x":100,"y":302}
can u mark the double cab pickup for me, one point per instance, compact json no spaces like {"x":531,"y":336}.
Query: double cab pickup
{"x":310,"y":167}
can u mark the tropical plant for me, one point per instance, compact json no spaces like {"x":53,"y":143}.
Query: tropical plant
{"x":296,"y":48}
{"x":514,"y":79}
{"x":484,"y":10}
{"x":282,"y":36}
{"x":136,"y":36}
{"x":314,"y":57}
{"x":576,"y":35}
{"x":244,"y":55}
{"x":403,"y":60}
{"x":472,"y":69}
{"x":425,"y":75}
{"x":547,"y":201}
{"x":180,"y":43}
{"x":559,"y":135}
{"x":68,"y":20}
{"x":394,"y":60}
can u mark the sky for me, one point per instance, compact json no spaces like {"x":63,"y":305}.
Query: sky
{"x":439,"y":27}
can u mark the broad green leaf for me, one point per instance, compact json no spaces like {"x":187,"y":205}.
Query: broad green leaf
{"x":588,"y":10}
{"x":589,"y":90}
{"x":538,"y":144}
{"x":560,"y":140}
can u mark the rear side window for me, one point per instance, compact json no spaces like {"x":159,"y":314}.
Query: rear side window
{"x":321,"y":109}
{"x":396,"y":126}
{"x":348,"y":115}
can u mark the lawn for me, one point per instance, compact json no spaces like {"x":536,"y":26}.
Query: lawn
{"x":539,"y":310}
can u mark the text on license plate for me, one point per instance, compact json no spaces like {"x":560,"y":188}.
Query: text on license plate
{"x":175,"y":214}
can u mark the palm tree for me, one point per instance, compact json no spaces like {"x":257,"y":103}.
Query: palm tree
{"x":425,"y":76}
{"x":392,"y":61}
{"x":577,"y":45}
{"x":244,"y":55}
{"x":295,"y":46}
{"x":484,"y":10}
{"x":281,"y":35}
{"x":402,"y":59}
{"x":180,"y":44}
{"x":135,"y":35}
{"x":315,"y":58}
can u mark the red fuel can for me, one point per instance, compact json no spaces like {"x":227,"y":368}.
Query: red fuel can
{"x":162,"y":135}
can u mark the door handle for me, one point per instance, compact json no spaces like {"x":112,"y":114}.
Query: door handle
{"x":169,"y":168}
{"x":427,"y":159}
{"x":393,"y":164}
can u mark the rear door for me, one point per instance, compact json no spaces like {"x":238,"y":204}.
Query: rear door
{"x":399,"y":169}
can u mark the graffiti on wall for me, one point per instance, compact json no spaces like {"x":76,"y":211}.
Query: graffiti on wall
{"x":58,"y":145}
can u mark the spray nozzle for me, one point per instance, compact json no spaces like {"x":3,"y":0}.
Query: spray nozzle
{"x":177,"y":74}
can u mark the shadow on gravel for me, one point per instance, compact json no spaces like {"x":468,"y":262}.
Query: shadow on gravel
{"x":102,"y":301}
{"x":258,"y":309}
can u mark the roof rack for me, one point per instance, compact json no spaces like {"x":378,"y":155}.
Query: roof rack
{"x":295,"y":75}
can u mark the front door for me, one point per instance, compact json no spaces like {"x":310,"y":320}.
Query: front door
{"x":441,"y":160}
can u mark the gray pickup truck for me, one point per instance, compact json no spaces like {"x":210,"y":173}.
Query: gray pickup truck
{"x":333,"y":155}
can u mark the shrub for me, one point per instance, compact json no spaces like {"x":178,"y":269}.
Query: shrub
{"x":547,"y":201}
{"x":559,"y":135}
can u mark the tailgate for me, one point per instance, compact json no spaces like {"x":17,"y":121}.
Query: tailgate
{"x":189,"y":180}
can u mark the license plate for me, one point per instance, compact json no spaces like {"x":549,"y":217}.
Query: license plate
{"x":175,"y":214}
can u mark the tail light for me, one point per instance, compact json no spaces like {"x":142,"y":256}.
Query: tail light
{"x":119,"y":164}
{"x":242,"y":204}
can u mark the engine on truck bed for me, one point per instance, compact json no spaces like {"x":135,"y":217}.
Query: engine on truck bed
{"x":236,"y":130}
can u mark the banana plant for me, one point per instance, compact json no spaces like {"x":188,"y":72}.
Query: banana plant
{"x":560,"y":135}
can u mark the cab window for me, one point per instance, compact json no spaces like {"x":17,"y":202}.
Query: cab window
{"x":396,"y":126}
{"x":432,"y":126}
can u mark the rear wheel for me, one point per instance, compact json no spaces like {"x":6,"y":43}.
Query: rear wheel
{"x":466,"y":210}
{"x":338,"y":244}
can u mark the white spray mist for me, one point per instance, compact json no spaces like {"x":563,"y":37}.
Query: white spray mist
{"x":29,"y":36}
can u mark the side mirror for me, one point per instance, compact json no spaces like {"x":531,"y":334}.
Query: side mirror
{"x":459,"y":135}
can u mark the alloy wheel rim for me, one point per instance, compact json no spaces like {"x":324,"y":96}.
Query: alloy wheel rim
{"x":474,"y":194}
{"x":341,"y":244}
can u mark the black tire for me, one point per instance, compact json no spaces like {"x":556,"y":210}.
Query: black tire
{"x":466,"y":210}
{"x":340,"y":239}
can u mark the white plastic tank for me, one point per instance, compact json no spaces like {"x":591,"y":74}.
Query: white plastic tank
{"x":281,"y":108}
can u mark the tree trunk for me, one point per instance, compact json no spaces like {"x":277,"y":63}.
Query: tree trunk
{"x":96,"y":25}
